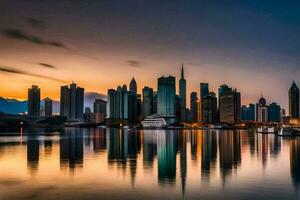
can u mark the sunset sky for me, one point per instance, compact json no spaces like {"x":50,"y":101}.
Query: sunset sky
{"x":253,"y":46}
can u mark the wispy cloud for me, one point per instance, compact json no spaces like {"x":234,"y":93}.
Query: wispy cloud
{"x":47,"y":65}
{"x":35,"y":23}
{"x":20,"y":72}
{"x":21,"y":35}
{"x":133,"y":63}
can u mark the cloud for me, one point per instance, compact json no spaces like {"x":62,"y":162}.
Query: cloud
{"x":89,"y":98}
{"x":16,"y":71}
{"x":21,"y":35}
{"x":47,"y":65}
{"x":133,"y":63}
{"x":94,"y":95}
{"x":36,"y":23}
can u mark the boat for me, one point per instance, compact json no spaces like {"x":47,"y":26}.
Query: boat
{"x":286,"y":131}
{"x":297,"y":131}
{"x":266,"y":130}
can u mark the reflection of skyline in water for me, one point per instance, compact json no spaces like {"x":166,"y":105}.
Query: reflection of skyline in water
{"x":295,"y":162}
{"x":71,"y":148}
{"x":166,"y":155}
{"x":230,"y":152}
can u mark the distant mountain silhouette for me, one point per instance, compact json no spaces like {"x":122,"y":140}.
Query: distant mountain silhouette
{"x":89,"y":98}
{"x":14,"y":106}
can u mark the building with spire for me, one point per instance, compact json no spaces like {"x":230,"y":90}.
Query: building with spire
{"x":294,"y":101}
{"x":133,"y":86}
{"x":182,"y":95}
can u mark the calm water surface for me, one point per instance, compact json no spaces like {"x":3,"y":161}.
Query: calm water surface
{"x":152,"y":164}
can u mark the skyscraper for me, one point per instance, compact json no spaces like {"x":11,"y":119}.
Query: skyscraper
{"x":251,"y":112}
{"x":99,"y":106}
{"x":71,"y":101}
{"x":262,"y":110}
{"x":274,"y":113}
{"x":154,"y":102}
{"x":122,"y":102}
{"x":79,"y":102}
{"x":209,"y":108}
{"x":294,"y":101}
{"x":178,"y":108}
{"x":139,"y":108}
{"x":147,"y":101}
{"x":229,"y":105}
{"x":132,"y":108}
{"x":99,"y":111}
{"x":182,"y":95}
{"x":166,"y":92}
{"x":111,"y":106}
{"x":204,"y":90}
{"x":248,"y":112}
{"x":48,"y":106}
{"x":117,"y":103}
{"x":34,"y":101}
{"x":244,"y":111}
{"x":133,"y":86}
{"x":65,"y":101}
{"x":193,"y":106}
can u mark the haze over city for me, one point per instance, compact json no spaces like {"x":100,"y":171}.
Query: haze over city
{"x":252,"y":46}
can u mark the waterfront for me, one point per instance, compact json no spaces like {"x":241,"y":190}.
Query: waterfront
{"x":96,"y":163}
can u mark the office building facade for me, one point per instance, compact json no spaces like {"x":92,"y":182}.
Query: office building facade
{"x":34,"y":101}
{"x":229,"y":105}
{"x":209,"y":108}
{"x":294,"y":101}
{"x":71,"y":101}
{"x":48,"y":106}
{"x":166,"y":93}
{"x":194,"y":107}
{"x":147,"y":101}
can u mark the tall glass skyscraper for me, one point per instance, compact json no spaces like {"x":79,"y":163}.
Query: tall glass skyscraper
{"x":193,"y":106}
{"x":294,"y":101}
{"x":209,"y":108}
{"x":204,"y":90}
{"x":229,"y":105}
{"x":48,"y":106}
{"x":274,"y":112}
{"x":117,"y":103}
{"x":166,"y":93}
{"x":34,"y":101}
{"x":71,"y":101}
{"x":133,"y":86}
{"x":182,"y":95}
{"x":147,"y":101}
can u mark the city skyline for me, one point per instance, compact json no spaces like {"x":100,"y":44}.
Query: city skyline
{"x":214,"y":47}
{"x":149,"y":99}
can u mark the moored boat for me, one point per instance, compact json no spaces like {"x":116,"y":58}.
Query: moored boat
{"x":266,"y":130}
{"x":286,"y":131}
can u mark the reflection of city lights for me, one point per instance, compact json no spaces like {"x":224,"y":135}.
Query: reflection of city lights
{"x":21,"y":134}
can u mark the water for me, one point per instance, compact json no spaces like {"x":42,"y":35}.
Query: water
{"x":151,"y":164}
